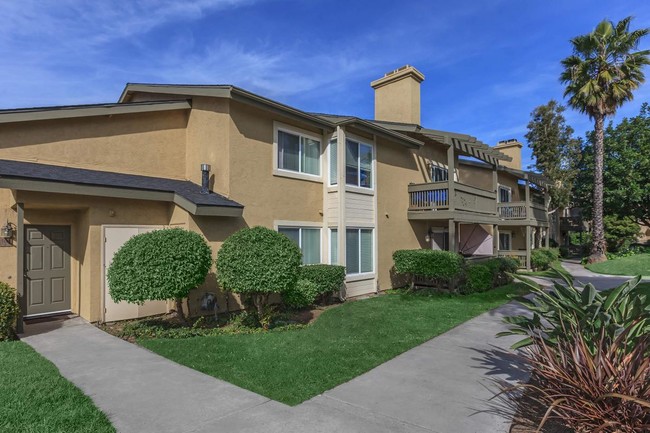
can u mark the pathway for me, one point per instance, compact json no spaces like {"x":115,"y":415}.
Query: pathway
{"x":440,"y":386}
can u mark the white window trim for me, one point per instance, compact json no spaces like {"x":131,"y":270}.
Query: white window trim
{"x":357,"y":188}
{"x":499,"y":186}
{"x":505,"y":232}
{"x":302,"y":225}
{"x":329,"y":245}
{"x":362,"y":275}
{"x":329,"y":162}
{"x":277,"y":126}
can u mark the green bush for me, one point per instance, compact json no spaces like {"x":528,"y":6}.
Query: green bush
{"x":620,"y":233}
{"x":256,"y":262}
{"x":501,"y":267}
{"x":328,"y":278}
{"x":159,"y":265}
{"x":541,"y":258}
{"x":441,"y":266}
{"x":9,"y":312}
{"x":566,"y":307}
{"x":303,"y":294}
{"x":478,"y":278}
{"x":564,"y":251}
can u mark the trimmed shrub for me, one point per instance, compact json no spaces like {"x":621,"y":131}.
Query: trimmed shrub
{"x":501,"y":267}
{"x":159,"y":265}
{"x":256,"y":262}
{"x":564,"y":251}
{"x":441,"y":266}
{"x":328,"y":278}
{"x":478,"y":278}
{"x":9,"y":312}
{"x":541,"y":258}
{"x":303,"y":294}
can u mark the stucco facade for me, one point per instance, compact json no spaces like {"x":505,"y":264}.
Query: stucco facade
{"x":168,"y":132}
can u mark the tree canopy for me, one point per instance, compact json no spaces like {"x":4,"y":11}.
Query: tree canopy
{"x":555,"y":149}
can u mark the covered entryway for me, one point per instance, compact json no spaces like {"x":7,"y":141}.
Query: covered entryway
{"x":114,"y":238}
{"x":47,"y":270}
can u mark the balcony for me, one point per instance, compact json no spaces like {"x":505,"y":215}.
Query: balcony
{"x":427,"y":198}
{"x":434,"y":201}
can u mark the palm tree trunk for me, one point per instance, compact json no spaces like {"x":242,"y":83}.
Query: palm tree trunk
{"x":598,"y":232}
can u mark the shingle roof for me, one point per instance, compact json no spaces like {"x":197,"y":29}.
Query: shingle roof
{"x":52,"y":173}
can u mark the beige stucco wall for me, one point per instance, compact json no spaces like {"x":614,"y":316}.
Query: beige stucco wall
{"x":150,"y":144}
{"x":396,"y":168}
{"x":479,"y":177}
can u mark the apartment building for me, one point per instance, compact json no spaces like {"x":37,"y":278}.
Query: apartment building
{"x":76,"y":182}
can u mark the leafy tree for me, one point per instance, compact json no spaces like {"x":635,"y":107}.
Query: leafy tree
{"x":555,"y":149}
{"x":159,"y":265}
{"x":601,"y":75}
{"x":627,"y":170}
{"x":620,"y":232}
{"x":257,"y":262}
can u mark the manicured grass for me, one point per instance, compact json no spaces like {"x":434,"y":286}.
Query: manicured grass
{"x":34,"y":397}
{"x":294,"y":365}
{"x":634,"y":265}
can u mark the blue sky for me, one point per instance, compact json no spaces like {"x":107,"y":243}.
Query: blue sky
{"x":487,"y":63}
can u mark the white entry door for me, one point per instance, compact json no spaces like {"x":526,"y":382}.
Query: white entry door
{"x":114,"y":238}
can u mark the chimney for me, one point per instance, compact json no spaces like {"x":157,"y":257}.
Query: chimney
{"x":512,"y":148}
{"x":397,"y":95}
{"x":205,"y":178}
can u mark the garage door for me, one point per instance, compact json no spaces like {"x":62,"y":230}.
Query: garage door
{"x":114,"y":238}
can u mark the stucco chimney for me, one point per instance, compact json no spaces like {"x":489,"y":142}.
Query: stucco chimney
{"x":397,"y":95}
{"x":512,"y":148}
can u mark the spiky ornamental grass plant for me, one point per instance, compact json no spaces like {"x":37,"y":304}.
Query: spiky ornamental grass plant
{"x":589,"y":354}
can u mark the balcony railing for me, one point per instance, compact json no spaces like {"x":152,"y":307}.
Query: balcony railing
{"x":429,"y":196}
{"x":512,"y":210}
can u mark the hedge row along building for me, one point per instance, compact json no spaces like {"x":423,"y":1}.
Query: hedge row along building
{"x":76,"y":182}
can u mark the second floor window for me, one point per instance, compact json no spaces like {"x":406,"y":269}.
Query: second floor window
{"x":505,"y":194}
{"x":298,"y":153}
{"x":358,"y":164}
{"x":439,"y":174}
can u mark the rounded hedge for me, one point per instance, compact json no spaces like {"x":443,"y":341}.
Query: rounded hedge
{"x":159,"y":265}
{"x":443,"y":265}
{"x":258,"y":260}
{"x":9,"y":312}
{"x":303,"y":294}
{"x":478,"y":278}
{"x":541,"y":258}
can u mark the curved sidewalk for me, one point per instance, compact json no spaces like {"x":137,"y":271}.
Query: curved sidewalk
{"x":440,"y":386}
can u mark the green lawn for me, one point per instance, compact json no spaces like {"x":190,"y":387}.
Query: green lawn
{"x":34,"y":397}
{"x":634,"y":265}
{"x":548,"y":273}
{"x":294,"y":365}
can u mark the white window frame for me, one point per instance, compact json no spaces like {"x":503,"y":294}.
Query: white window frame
{"x":499,"y":187}
{"x":361,"y":275}
{"x":277,"y":126}
{"x":300,"y":225}
{"x":505,"y":232}
{"x":329,"y":162}
{"x":373,"y":167}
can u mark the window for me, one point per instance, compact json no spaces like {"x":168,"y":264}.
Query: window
{"x":334,"y":247}
{"x":334,"y":162}
{"x":359,"y":255}
{"x":505,"y":194}
{"x":358,"y":164}
{"x":298,"y":153}
{"x":308,"y":239}
{"x":439,"y":174}
{"x":505,"y":241}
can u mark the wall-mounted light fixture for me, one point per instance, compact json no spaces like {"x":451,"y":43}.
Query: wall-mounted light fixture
{"x":427,"y":238}
{"x":7,"y":231}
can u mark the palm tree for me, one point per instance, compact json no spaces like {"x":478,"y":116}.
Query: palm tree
{"x":600,"y":76}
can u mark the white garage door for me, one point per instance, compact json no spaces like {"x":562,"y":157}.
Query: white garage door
{"x":114,"y":238}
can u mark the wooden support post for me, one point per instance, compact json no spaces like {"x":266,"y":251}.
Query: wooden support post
{"x":528,"y":247}
{"x":453,"y":240}
{"x":20,"y":271}
{"x":547,"y":241}
{"x":495,"y":240}
{"x":451,"y":167}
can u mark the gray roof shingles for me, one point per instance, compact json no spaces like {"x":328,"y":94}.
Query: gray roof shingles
{"x":53,"y":173}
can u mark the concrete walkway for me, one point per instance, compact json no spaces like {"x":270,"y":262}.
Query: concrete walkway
{"x":600,"y":281}
{"x":441,"y":386}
